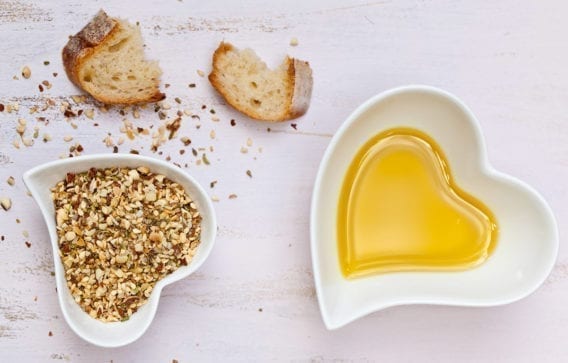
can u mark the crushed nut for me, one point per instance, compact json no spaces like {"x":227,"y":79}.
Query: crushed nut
{"x":11,"y":181}
{"x":90,"y":113}
{"x":26,"y":72}
{"x":120,"y":231}
{"x":185,"y":140}
{"x":294,"y":42}
{"x":6,"y":203}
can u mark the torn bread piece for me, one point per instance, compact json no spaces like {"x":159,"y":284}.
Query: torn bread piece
{"x":248,"y":85}
{"x":106,"y":59}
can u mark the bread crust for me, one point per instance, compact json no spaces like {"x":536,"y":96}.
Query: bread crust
{"x":299,"y":76}
{"x":84,"y":44}
{"x":303,"y":82}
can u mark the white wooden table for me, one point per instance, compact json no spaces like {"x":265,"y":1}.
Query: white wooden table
{"x":254,"y":299}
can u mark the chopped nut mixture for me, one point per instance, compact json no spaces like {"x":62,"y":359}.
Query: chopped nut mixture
{"x":120,"y":231}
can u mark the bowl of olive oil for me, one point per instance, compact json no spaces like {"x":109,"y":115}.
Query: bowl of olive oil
{"x":406,"y":209}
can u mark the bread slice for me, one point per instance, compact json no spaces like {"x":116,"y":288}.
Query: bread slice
{"x":106,"y":59}
{"x":248,"y":85}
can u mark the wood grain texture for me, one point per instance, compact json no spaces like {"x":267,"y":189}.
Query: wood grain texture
{"x":254,"y":299}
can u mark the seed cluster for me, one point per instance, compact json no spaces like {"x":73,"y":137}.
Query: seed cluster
{"x":120,"y":231}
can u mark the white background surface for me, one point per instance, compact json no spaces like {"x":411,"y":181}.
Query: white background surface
{"x":505,"y":59}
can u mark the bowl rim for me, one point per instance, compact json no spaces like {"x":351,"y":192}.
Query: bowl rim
{"x":149,"y":162}
{"x":486,"y":169}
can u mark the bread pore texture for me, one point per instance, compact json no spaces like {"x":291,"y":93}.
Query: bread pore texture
{"x":248,"y":85}
{"x":106,"y":59}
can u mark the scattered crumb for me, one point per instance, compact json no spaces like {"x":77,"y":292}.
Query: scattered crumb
{"x":200,"y":73}
{"x":28,"y":244}
{"x":212,"y":134}
{"x":232,"y":196}
{"x":294,"y":42}
{"x":212,"y":184}
{"x":294,"y":126}
{"x":27,"y":142}
{"x":78,"y":98}
{"x":67,"y":138}
{"x":185,"y":140}
{"x":215,"y":198}
{"x":260,"y":310}
{"x":192,"y":85}
{"x":11,"y":181}
{"x":233,"y":122}
{"x":249,"y":173}
{"x":249,"y":142}
{"x":244,"y":150}
{"x":26,"y":234}
{"x":50,"y":333}
{"x":6,"y":203}
{"x":26,"y":72}
{"x":90,"y":113}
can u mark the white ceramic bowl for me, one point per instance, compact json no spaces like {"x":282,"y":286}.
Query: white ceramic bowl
{"x":41,"y":179}
{"x":527,"y":244}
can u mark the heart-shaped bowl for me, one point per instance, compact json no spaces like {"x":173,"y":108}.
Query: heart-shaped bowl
{"x":527,"y":243}
{"x":41,"y":179}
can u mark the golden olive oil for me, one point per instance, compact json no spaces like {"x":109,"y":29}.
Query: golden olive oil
{"x":400,"y":210}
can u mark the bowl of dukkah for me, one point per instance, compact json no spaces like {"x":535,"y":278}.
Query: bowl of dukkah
{"x":122,"y":227}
